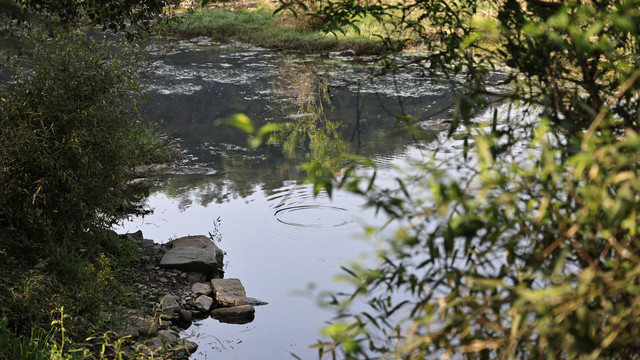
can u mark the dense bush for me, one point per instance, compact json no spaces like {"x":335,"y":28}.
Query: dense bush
{"x":66,"y":124}
{"x":69,"y":137}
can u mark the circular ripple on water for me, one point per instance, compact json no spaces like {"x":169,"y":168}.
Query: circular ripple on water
{"x":313,"y":216}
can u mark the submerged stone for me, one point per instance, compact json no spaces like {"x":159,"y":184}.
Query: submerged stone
{"x":256,"y":302}
{"x":235,"y":315}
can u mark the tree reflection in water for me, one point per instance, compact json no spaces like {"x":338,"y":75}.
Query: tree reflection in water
{"x":319,"y":98}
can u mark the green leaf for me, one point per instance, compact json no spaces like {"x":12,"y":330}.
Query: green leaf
{"x":239,"y":121}
{"x":269,"y":128}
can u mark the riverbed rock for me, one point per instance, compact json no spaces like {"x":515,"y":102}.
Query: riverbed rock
{"x":166,"y":345}
{"x":152,"y":346}
{"x":203,"y":303}
{"x":229,"y":292}
{"x":185,"y":348}
{"x":194,"y":254}
{"x":201,"y":289}
{"x":196,"y":276}
{"x":146,"y":327}
{"x":256,"y":302}
{"x":170,"y":337}
{"x":235,"y":315}
{"x":342,"y":53}
{"x":128,"y":333}
{"x":169,"y":304}
{"x":186,"y":316}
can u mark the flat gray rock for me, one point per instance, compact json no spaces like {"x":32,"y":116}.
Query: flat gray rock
{"x":193,"y":254}
{"x":201,"y":289}
{"x":242,"y":311}
{"x":256,"y":302}
{"x":169,"y":304}
{"x":203,"y":303}
{"x":229,"y":292}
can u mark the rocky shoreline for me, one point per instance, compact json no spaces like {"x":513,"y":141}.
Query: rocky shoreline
{"x":179,"y":282}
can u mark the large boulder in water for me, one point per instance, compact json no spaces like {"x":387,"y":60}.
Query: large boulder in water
{"x":194,"y":254}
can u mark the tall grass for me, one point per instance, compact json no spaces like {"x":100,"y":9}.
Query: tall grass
{"x":36,"y":345}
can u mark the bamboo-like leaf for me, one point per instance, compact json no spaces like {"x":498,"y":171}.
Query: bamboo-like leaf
{"x":239,"y":121}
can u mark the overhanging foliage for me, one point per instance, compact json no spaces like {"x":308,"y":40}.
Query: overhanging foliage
{"x":535,"y":253}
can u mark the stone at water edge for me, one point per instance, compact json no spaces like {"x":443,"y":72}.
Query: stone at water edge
{"x":186,"y":316}
{"x":185,"y":348}
{"x":203,"y":303}
{"x":342,"y":53}
{"x":201,"y":289}
{"x":242,"y":314}
{"x":256,"y":302}
{"x":241,"y":311}
{"x":170,"y":337}
{"x":190,"y":259}
{"x":194,"y":254}
{"x":229,"y":292}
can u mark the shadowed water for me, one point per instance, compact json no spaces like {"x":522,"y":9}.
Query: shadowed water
{"x":280,"y":240}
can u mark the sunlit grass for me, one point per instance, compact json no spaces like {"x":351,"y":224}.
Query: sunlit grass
{"x":282,"y":31}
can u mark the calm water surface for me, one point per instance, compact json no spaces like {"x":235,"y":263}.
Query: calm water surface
{"x":282,"y":243}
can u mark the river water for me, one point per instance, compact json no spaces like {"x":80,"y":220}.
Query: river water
{"x":284,"y":244}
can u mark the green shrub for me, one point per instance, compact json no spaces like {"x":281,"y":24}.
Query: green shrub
{"x":65,"y":138}
{"x":526,"y":247}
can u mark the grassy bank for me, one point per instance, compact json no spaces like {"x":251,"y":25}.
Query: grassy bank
{"x":280,"y":31}
{"x":55,"y":309}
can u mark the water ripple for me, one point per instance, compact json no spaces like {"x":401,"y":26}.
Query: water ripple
{"x":313,"y":216}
